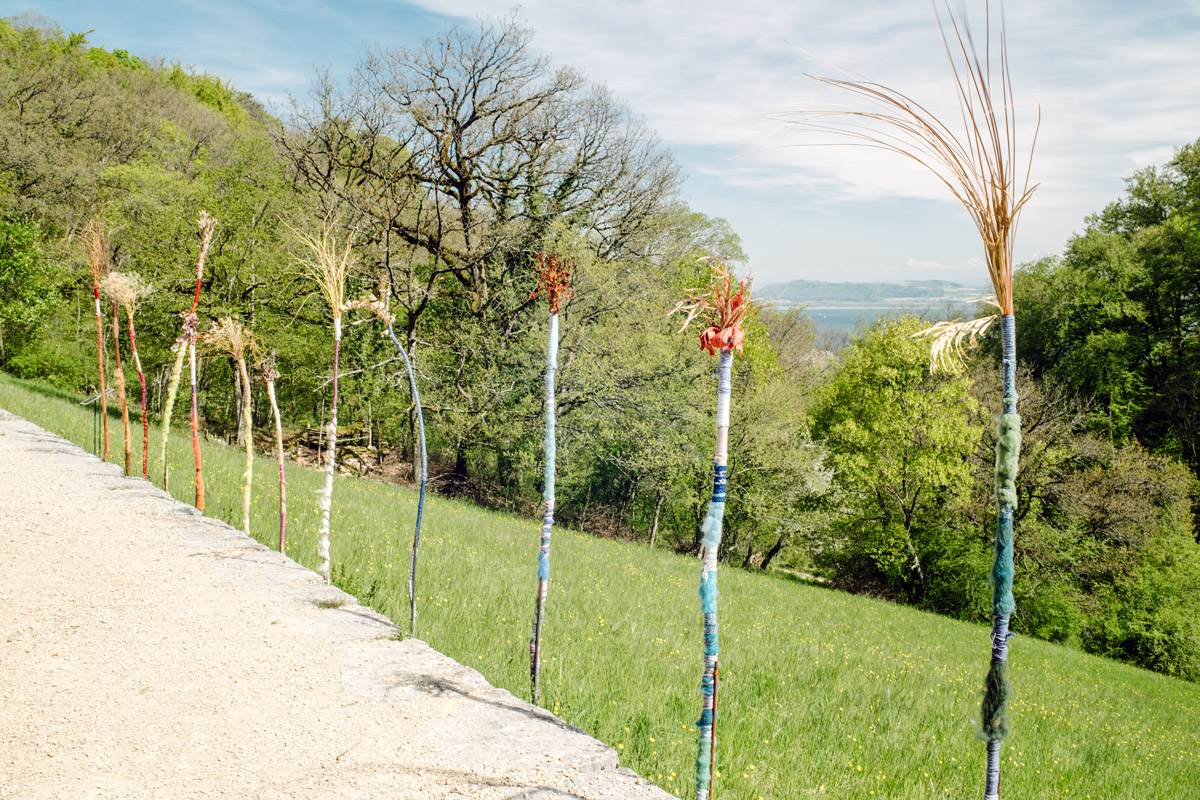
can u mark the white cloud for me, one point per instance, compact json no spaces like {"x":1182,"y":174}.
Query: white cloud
{"x":1115,"y":83}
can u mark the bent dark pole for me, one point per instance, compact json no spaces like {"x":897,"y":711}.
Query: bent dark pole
{"x":412,"y":567}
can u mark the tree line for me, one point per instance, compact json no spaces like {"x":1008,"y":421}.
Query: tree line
{"x":451,"y":164}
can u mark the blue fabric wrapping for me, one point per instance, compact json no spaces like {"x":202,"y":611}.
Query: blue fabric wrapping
{"x":711,"y":530}
{"x":544,"y":552}
{"x":1008,"y":361}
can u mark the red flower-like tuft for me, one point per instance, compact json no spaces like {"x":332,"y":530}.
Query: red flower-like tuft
{"x":714,"y":339}
{"x":554,"y":279}
{"x":721,"y":307}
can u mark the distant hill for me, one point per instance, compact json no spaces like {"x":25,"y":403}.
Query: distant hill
{"x":799,"y":292}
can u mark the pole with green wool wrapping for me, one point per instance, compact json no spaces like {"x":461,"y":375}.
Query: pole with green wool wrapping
{"x":554,"y":276}
{"x":982,"y":165}
{"x":723,"y":310}
{"x":997,"y":689}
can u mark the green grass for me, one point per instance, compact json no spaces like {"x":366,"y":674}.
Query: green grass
{"x":822,"y":695}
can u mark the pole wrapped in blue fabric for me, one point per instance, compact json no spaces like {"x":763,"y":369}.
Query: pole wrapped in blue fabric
{"x":710,"y":545}
{"x":723,"y":305}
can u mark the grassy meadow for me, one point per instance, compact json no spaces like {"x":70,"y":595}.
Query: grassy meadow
{"x":822,"y":694}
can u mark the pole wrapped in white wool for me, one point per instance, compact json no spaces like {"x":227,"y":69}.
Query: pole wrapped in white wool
{"x":325,"y":501}
{"x":248,"y":471}
{"x":195,"y":420}
{"x":543,"y":571}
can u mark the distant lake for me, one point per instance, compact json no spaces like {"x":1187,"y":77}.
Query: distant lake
{"x":844,"y":319}
{"x":848,"y":318}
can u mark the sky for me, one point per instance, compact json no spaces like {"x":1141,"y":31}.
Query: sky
{"x":1115,"y":82}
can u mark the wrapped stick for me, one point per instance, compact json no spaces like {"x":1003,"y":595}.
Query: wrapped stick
{"x":724,"y":308}
{"x":554,"y":276}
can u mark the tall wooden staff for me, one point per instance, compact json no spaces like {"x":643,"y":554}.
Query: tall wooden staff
{"x":982,"y":168}
{"x":723,"y":306}
{"x":554,"y":280}
{"x":381,"y":311}
{"x":95,"y":240}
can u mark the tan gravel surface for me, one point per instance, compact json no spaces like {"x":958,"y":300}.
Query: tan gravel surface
{"x":148,"y":652}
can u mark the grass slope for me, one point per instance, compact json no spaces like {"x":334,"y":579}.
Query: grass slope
{"x":822,"y":695}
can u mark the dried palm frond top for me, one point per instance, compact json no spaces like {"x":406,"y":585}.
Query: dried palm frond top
{"x":554,"y":279}
{"x":126,"y":288}
{"x":95,"y":241}
{"x":979,"y":165}
{"x":268,"y":368}
{"x":328,"y":263}
{"x":207,"y":225}
{"x":947,"y":349}
{"x":230,"y":337}
{"x":372,"y":306}
{"x":721,"y":307}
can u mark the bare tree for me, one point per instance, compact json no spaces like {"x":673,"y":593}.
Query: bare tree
{"x":455,"y":155}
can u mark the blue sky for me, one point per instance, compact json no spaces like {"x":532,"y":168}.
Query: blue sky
{"x":1117,"y":83}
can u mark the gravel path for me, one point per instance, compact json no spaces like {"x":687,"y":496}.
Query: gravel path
{"x":148,"y":652}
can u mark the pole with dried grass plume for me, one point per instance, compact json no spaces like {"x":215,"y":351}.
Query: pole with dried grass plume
{"x":980,"y":166}
{"x":328,"y":263}
{"x":126,"y":289}
{"x":191,"y":326}
{"x":269,"y":371}
{"x":723,"y":305}
{"x":185,"y":344}
{"x":95,"y":240}
{"x":554,"y":281}
{"x":383,"y":314}
{"x":180,"y":349}
{"x":232,"y":338}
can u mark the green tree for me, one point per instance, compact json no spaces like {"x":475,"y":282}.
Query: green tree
{"x":898,"y":440}
{"x":28,"y":286}
{"x":1117,"y":317}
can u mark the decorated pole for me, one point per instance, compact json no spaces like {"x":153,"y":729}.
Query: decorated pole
{"x":191,"y":325}
{"x":270,"y":373}
{"x":982,"y":167}
{"x":381,"y":311}
{"x":119,"y":374}
{"x":96,"y":242}
{"x":183,"y":347}
{"x":126,"y":289}
{"x":195,"y":426}
{"x":137,"y":363}
{"x":554,"y":275}
{"x":327,"y":264}
{"x":997,"y":689}
{"x":232,"y":338}
{"x":412,"y":566}
{"x":724,"y":311}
